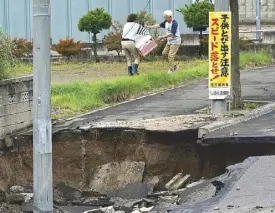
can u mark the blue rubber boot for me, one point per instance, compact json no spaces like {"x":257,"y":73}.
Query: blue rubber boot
{"x":135,"y":69}
{"x":130,"y":70}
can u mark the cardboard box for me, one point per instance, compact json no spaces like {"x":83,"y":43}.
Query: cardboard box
{"x":145,"y":44}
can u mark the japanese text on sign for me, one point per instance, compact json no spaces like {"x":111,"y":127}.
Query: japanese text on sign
{"x":219,"y":54}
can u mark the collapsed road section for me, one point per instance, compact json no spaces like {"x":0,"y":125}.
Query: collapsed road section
{"x":132,"y":166}
{"x":145,"y":166}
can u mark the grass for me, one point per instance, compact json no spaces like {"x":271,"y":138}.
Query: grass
{"x":250,"y":105}
{"x":80,"y":97}
{"x":252,"y":59}
{"x":71,"y":72}
{"x":27,"y":68}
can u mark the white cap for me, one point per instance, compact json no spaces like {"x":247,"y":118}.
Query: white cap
{"x":168,"y":13}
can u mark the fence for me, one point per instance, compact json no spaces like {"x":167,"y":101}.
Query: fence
{"x":16,"y":15}
{"x":15,"y":105}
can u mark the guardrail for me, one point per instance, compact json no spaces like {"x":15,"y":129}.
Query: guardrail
{"x":267,"y":36}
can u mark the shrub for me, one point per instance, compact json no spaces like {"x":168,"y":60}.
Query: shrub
{"x":145,"y":18}
{"x":244,"y":45}
{"x":6,"y":57}
{"x":94,"y":22}
{"x":113,"y":40}
{"x":68,"y":48}
{"x":21,"y":47}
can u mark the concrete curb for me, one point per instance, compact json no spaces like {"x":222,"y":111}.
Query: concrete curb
{"x":133,"y":99}
{"x":203,"y":131}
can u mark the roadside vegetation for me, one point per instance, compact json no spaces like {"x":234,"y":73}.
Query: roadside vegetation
{"x":6,"y":57}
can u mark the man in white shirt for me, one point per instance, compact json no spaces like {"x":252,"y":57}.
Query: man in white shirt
{"x":173,"y":38}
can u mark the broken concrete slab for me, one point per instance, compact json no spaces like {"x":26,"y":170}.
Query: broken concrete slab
{"x":109,"y":209}
{"x":77,"y":209}
{"x":125,"y":205}
{"x":132,"y":191}
{"x":28,"y":196}
{"x":195,"y":183}
{"x":94,"y":202}
{"x":177,"y":182}
{"x":181,"y":182}
{"x":173,"y":180}
{"x":169,"y":199}
{"x":116,"y":175}
{"x":175,"y":123}
{"x":144,"y":209}
{"x":162,"y":208}
{"x":158,"y":194}
{"x":198,"y":193}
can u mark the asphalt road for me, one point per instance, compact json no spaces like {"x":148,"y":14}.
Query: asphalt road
{"x":257,"y":130}
{"x":257,"y":84}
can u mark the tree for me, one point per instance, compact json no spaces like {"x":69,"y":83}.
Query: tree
{"x":113,"y":40}
{"x":68,"y":47}
{"x":94,"y":22}
{"x":196,"y":16}
{"x":144,"y":18}
{"x":235,"y":56}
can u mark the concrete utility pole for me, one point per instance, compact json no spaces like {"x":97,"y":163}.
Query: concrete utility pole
{"x":258,"y":19}
{"x":220,"y":106}
{"x":42,"y":127}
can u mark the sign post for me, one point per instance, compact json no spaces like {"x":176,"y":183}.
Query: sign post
{"x":219,"y":60}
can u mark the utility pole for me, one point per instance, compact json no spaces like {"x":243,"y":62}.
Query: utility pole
{"x":258,"y":19}
{"x":42,"y":127}
{"x":219,"y":107}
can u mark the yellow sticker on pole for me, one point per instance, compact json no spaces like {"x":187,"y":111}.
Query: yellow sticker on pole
{"x":219,"y":55}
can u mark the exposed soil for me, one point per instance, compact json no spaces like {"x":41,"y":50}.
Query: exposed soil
{"x":77,"y":153}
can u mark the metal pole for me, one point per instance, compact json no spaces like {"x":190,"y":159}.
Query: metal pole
{"x":219,"y":107}
{"x":222,"y":5}
{"x":258,"y":19}
{"x":42,"y":128}
{"x":151,"y":7}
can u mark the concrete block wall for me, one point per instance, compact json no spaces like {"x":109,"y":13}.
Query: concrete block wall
{"x":15,"y":104}
{"x":248,"y":11}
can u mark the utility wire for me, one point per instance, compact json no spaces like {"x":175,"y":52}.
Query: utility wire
{"x":148,"y":3}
